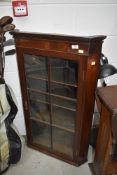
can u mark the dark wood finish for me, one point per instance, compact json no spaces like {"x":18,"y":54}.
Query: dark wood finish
{"x":85,"y":51}
{"x":105,"y":160}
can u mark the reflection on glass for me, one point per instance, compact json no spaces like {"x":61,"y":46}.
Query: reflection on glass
{"x":36,"y":66}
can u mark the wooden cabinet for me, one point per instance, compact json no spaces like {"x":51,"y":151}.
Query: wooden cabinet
{"x":58,"y":76}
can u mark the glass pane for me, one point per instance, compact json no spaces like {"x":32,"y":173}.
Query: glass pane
{"x":63,"y":122}
{"x":40,"y":111}
{"x":40,"y":121}
{"x":52,"y":88}
{"x":63,"y":90}
{"x":64,"y":71}
{"x":38,"y":97}
{"x":41,"y":133}
{"x":63,"y":141}
{"x":63,"y":118}
{"x":39,"y":85}
{"x":36,"y":70}
{"x":36,"y":66}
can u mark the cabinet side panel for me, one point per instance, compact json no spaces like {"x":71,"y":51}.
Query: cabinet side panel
{"x":91,"y":77}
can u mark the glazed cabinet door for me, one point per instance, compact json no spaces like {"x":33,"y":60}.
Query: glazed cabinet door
{"x":36,"y":72}
{"x":63,"y":90}
{"x":52,"y":95}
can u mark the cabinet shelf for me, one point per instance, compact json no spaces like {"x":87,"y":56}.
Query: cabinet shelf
{"x":51,"y":81}
{"x":51,"y":94}
{"x":53,"y":125}
{"x":54,"y":104}
{"x":55,"y":117}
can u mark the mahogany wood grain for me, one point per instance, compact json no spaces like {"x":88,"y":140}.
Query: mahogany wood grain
{"x":105,"y":160}
{"x":87,"y":54}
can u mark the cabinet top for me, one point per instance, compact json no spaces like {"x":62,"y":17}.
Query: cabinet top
{"x":108,"y":95}
{"x":62,"y":37}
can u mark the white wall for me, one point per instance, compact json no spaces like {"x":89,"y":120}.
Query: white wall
{"x":76,"y":17}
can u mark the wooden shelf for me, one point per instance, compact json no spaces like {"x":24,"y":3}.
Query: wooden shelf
{"x":58,"y":117}
{"x":53,"y":104}
{"x":37,"y":77}
{"x":53,"y":125}
{"x":51,"y":94}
